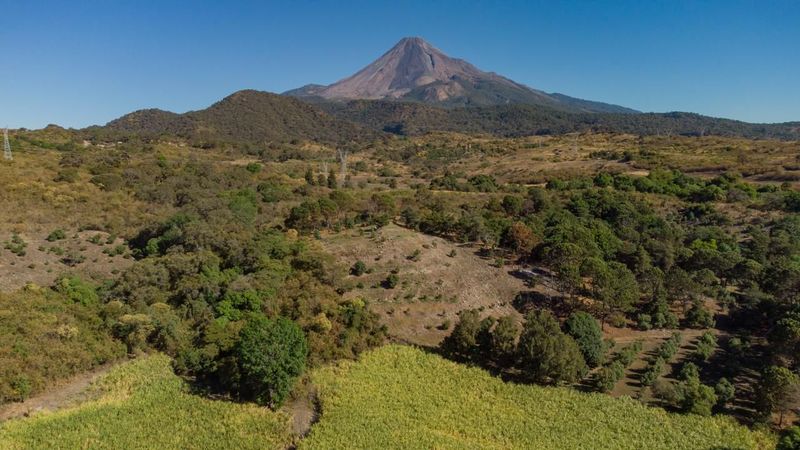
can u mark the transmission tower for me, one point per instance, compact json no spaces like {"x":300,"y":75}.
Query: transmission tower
{"x":6,"y":146}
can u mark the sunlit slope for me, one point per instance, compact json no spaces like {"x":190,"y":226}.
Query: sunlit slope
{"x":401,"y":397}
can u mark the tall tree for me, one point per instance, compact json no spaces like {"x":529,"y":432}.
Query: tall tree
{"x":546,"y":353}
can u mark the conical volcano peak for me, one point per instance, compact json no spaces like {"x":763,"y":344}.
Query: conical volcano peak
{"x":415,"y":70}
{"x":410,"y":64}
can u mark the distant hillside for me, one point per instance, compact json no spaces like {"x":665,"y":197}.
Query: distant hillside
{"x":522,"y":120}
{"x":414,"y":70}
{"x":245,"y":116}
{"x":255,"y":117}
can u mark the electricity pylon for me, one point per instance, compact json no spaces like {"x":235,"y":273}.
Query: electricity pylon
{"x":6,"y":146}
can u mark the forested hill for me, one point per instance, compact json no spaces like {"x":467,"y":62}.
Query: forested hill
{"x":523,"y":120}
{"x":243,"y":117}
{"x":255,"y":117}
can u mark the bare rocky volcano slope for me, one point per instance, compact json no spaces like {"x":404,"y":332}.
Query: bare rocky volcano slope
{"x":415,"y":70}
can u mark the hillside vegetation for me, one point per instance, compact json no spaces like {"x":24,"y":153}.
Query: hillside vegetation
{"x":513,"y":120}
{"x":244,"y":116}
{"x":142,"y":404}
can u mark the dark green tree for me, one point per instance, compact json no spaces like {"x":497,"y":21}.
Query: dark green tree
{"x":586,"y":332}
{"x":461,"y":343}
{"x":271,"y":354}
{"x":545,"y":353}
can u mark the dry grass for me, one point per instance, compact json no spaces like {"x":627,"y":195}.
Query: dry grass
{"x":432,"y":289}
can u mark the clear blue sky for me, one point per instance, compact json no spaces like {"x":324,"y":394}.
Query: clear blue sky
{"x":77,"y":63}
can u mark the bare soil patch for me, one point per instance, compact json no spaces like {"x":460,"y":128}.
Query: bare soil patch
{"x":433,"y":285}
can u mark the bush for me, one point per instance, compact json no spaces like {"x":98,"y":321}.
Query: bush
{"x":271,"y":355}
{"x":391,"y":281}
{"x":652,"y":372}
{"x":705,"y":346}
{"x":725,"y":392}
{"x":608,"y":376}
{"x":16,"y":245}
{"x":56,"y":235}
{"x":644,"y":322}
{"x":699,"y":317}
{"x":358,"y":269}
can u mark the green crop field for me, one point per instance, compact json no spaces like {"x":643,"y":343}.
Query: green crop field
{"x":400,"y":397}
{"x":143,"y":405}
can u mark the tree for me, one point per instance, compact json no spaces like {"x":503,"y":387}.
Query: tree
{"x":271,"y":354}
{"x":613,"y":285}
{"x":681,"y":287}
{"x":461,"y":342}
{"x":563,"y":259}
{"x":521,"y":238}
{"x":546,"y":353}
{"x":504,"y":339}
{"x":697,"y":397}
{"x":586,"y":332}
{"x":779,"y":390}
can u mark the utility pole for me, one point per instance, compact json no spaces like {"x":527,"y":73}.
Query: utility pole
{"x":6,"y":146}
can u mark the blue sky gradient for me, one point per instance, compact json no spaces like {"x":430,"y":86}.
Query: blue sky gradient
{"x":87,"y":62}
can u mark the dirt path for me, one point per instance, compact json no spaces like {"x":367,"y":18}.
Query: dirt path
{"x":66,"y":393}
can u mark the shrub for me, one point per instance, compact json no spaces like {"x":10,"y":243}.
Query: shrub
{"x":608,"y":376}
{"x":391,"y":281}
{"x":56,"y":235}
{"x":697,"y":398}
{"x":652,"y":372}
{"x":699,"y":317}
{"x":359,"y":268}
{"x":253,"y":167}
{"x":16,"y":245}
{"x":644,"y":322}
{"x":705,"y":346}
{"x":725,"y":391}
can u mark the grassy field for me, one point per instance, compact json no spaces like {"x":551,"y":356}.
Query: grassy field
{"x":400,"y":397}
{"x":141,"y":405}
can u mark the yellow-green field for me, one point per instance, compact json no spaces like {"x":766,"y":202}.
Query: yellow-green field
{"x":143,"y":405}
{"x":401,"y":397}
{"x":394,"y":397}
